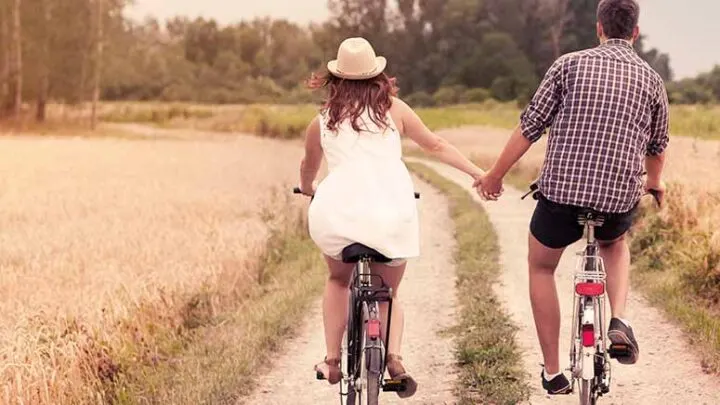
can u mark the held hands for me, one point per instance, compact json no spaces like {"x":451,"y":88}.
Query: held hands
{"x":489,"y":187}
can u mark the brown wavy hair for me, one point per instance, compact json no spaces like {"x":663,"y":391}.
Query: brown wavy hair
{"x":348,"y":99}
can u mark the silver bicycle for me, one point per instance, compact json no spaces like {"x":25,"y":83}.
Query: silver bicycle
{"x":589,"y":353}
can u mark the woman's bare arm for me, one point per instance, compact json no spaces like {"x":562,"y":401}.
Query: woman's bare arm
{"x":433,"y":144}
{"x":310,"y":165}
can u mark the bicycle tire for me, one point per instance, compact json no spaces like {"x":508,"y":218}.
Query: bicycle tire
{"x":371,"y":365}
{"x":373,"y":359}
{"x":350,"y":399}
{"x":352,"y":345}
{"x":347,"y":390}
{"x":586,"y":395}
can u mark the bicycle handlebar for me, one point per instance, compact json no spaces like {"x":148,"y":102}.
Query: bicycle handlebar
{"x":297,"y":190}
{"x":534,"y":189}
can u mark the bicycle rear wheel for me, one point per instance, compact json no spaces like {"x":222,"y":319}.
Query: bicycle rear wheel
{"x":371,"y":364}
{"x":587,"y":396}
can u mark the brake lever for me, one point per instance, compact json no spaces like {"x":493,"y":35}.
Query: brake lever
{"x":656,"y":196}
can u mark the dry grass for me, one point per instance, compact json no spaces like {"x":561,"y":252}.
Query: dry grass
{"x":676,"y":252}
{"x":677,"y":264}
{"x":112,"y":250}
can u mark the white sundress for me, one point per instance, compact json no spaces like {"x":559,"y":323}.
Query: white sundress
{"x":368,"y":195}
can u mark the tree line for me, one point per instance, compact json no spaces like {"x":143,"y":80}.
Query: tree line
{"x":51,"y":50}
{"x":443,"y":51}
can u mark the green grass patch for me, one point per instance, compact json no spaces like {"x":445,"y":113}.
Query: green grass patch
{"x":697,"y":121}
{"x":677,"y":266}
{"x":489,"y":113}
{"x":290,"y":121}
{"x":490,"y":361}
{"x":207,"y":348}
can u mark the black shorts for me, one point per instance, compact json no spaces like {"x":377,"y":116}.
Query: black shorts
{"x":556,"y":225}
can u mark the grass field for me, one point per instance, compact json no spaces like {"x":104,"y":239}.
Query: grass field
{"x":702,"y":122}
{"x":133,"y":270}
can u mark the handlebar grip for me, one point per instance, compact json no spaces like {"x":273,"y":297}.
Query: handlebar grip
{"x":656,"y":195}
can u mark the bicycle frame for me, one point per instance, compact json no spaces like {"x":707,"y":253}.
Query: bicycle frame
{"x":589,"y":359}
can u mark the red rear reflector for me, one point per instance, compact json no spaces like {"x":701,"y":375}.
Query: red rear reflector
{"x":590,"y":289}
{"x":588,"y":335}
{"x":374,"y":329}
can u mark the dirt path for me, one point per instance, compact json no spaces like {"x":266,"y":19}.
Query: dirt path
{"x":428,"y":293}
{"x":667,"y":372}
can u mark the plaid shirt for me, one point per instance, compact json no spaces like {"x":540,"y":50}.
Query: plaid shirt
{"x":607,"y":109}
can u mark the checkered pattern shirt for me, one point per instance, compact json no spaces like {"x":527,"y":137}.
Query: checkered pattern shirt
{"x":607,"y":110}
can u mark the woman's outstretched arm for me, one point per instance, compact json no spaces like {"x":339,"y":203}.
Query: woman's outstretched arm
{"x":435,"y":145}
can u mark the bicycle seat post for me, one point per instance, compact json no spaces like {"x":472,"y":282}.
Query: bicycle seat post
{"x":590,"y":220}
{"x":363,"y":271}
{"x":590,"y":231}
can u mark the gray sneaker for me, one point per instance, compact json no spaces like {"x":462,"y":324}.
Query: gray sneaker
{"x":623,"y":346}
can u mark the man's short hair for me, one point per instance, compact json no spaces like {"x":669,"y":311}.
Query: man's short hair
{"x":618,"y":17}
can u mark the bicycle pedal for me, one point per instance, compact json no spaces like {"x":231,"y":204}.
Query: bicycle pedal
{"x":619,"y":350}
{"x":394,"y":386}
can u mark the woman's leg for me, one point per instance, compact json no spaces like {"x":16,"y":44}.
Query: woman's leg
{"x":392,"y":275}
{"x":335,"y":305}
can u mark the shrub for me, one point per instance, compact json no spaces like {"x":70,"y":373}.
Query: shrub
{"x":449,"y":95}
{"x":477,"y":95}
{"x":420,"y":99}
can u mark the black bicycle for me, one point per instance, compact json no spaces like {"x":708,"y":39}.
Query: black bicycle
{"x":364,"y":356}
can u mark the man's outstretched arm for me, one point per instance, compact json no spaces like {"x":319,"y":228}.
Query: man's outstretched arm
{"x":535,"y":119}
{"x":515,"y":148}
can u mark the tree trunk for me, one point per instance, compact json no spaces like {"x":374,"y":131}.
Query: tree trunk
{"x":45,"y":74}
{"x":561,"y":18}
{"x":17,"y":58}
{"x":98,"y":61}
{"x":4,"y":59}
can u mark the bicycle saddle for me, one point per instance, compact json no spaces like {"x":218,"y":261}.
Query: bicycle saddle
{"x":587,"y":215}
{"x":357,"y":251}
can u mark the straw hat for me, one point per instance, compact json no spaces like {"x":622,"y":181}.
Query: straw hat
{"x":356,"y":60}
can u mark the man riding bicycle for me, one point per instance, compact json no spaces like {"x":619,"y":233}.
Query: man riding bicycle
{"x":607,"y":111}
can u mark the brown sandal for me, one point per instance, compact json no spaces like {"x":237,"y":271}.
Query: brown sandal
{"x":334,"y":375}
{"x":397,"y":372}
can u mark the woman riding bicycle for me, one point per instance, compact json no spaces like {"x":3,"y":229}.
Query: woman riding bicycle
{"x":368,"y":195}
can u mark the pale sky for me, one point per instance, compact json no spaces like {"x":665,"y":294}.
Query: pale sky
{"x":686,"y":29}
